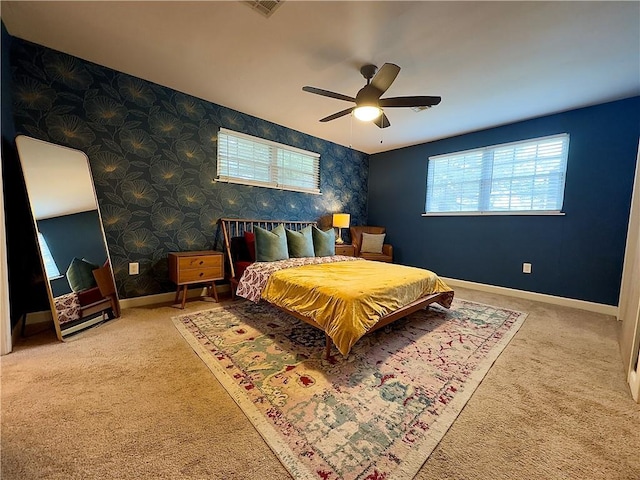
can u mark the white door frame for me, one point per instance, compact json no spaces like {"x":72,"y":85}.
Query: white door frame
{"x":629,"y":304}
{"x":5,"y":311}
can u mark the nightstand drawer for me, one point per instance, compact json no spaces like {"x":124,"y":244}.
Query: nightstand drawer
{"x":345,"y":249}
{"x":200,"y":275}
{"x":204,"y":261}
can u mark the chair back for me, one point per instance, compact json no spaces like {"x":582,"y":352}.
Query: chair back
{"x":356,"y":235}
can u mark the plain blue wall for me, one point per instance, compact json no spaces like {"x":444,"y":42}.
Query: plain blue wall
{"x":578,"y":255}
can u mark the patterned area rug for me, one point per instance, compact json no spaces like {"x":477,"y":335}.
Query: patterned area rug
{"x":374,"y":415}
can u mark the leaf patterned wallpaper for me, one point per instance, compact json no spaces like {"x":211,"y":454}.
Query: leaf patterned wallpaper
{"x":152,"y":152}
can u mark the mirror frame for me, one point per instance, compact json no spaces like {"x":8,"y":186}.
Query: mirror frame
{"x":115,"y":301}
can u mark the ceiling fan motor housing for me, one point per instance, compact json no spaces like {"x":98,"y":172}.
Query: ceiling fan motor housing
{"x":368,"y":95}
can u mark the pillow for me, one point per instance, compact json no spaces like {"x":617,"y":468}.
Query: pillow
{"x":271,"y":245}
{"x":250,"y":240}
{"x":324,"y":243}
{"x":372,"y":243}
{"x":80,"y":275}
{"x":300,"y":243}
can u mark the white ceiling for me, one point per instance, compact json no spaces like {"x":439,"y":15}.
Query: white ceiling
{"x":491,"y":62}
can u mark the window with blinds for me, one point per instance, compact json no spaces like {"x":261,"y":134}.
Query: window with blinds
{"x":49,"y":264}
{"x":519,"y":177}
{"x":255,"y":161}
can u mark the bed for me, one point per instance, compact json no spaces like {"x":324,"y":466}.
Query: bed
{"x":345,"y":297}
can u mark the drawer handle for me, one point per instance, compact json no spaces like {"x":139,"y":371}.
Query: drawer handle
{"x":201,"y":273}
{"x":201,"y":262}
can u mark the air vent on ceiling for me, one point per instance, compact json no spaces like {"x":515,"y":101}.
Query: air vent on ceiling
{"x":420,"y":108}
{"x":266,"y":8}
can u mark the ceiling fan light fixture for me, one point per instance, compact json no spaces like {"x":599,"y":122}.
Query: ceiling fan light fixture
{"x":367,"y":113}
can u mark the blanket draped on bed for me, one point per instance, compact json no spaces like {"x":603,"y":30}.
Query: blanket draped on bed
{"x":346,"y":298}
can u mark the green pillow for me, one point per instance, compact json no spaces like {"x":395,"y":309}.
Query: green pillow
{"x":324,"y":243}
{"x":271,"y":245}
{"x":80,"y":275}
{"x":300,"y":243}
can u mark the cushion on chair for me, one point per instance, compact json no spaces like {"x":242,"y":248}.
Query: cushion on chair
{"x":271,"y":245}
{"x":80,"y":275}
{"x":300,"y":243}
{"x":324,"y":243}
{"x":372,"y":243}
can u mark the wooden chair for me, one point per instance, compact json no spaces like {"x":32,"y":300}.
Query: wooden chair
{"x":356,"y":240}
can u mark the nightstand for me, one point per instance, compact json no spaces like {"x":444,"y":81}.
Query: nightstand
{"x":188,"y":268}
{"x":346,"y":249}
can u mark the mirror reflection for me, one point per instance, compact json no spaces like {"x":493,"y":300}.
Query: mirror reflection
{"x":72,"y":244}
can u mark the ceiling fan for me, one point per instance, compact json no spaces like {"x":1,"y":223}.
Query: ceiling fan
{"x":369,"y":105}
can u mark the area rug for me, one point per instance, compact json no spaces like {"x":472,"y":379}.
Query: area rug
{"x":376,"y":414}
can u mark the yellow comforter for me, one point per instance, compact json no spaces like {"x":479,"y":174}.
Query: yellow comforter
{"x":348,"y":298}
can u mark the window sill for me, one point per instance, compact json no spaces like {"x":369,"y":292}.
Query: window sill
{"x":492,"y":214}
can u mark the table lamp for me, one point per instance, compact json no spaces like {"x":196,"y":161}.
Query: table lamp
{"x":341,"y":220}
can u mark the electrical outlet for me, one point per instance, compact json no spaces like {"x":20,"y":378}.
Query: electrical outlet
{"x":526,"y":268}
{"x":134,"y":268}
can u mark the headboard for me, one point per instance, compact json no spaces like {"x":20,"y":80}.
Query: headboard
{"x":235,"y":227}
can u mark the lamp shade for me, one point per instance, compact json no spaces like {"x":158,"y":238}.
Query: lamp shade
{"x":341,"y":220}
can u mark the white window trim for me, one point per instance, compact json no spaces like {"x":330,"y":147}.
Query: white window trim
{"x":492,"y":213}
{"x":501,"y":212}
{"x":278,"y":146}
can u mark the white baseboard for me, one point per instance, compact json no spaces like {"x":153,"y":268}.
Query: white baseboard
{"x":539,"y":297}
{"x":166,"y":297}
{"x":512,"y":292}
{"x":38,"y":317}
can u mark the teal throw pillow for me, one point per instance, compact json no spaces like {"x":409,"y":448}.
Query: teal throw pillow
{"x":80,"y":275}
{"x":271,"y":245}
{"x":300,"y":243}
{"x":324,"y":243}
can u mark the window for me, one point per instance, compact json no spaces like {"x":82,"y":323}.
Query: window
{"x":519,"y":177}
{"x":49,"y":264}
{"x":254,"y":161}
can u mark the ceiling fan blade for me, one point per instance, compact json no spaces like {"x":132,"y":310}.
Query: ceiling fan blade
{"x":327,"y":93}
{"x":382,"y":121}
{"x":344,"y":112}
{"x":409,"y":101}
{"x":385,"y":77}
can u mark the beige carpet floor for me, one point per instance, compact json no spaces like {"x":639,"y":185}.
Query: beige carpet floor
{"x":129,"y":399}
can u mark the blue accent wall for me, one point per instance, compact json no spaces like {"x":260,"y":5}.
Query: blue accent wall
{"x":578,"y":255}
{"x":152,"y":153}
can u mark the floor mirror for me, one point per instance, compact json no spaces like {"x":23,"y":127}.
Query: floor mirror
{"x":71,"y":240}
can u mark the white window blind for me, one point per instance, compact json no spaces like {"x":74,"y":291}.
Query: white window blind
{"x":525,"y":176}
{"x":49,"y":264}
{"x":255,"y":161}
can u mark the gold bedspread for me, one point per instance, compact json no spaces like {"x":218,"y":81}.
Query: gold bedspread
{"x":348,"y":298}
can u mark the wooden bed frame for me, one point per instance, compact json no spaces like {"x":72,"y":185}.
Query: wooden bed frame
{"x":418,"y":304}
{"x":235,"y":227}
{"x":232,"y":227}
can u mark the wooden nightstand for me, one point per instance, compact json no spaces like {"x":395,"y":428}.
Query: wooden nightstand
{"x":187,"y":268}
{"x":345,"y":249}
